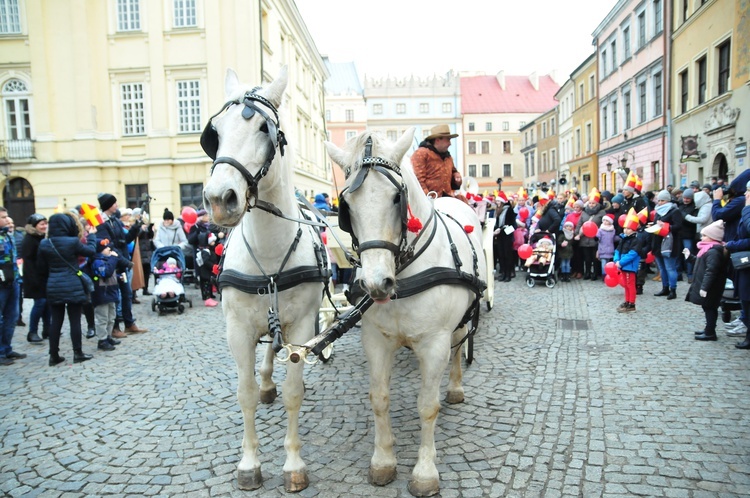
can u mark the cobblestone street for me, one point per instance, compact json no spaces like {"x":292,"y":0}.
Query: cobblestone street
{"x":565,"y":397}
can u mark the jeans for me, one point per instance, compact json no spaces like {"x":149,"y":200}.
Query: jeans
{"x":604,"y":262}
{"x":39,"y":311}
{"x":668,"y":270}
{"x":125,"y":304}
{"x":8,"y":317}
{"x":688,"y":244}
{"x":564,"y":266}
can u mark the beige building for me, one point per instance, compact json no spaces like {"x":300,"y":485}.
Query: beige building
{"x":582,"y":163}
{"x":710,"y":91}
{"x":113,"y":95}
{"x":547,"y":148}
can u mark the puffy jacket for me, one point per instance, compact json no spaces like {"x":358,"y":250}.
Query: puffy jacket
{"x":34,"y":284}
{"x":710,"y":275}
{"x":589,"y":214}
{"x":433,"y":172}
{"x":627,"y":253}
{"x":63,"y":285}
{"x":106,"y":286}
{"x":172,"y":235}
{"x":741,"y":278}
{"x":732,"y":210}
{"x":674,"y":218}
{"x":703,"y":217}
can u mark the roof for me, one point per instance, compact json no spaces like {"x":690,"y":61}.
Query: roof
{"x":483,"y":94}
{"x":344,"y":79}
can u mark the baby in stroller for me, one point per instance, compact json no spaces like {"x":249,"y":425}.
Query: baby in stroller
{"x":542,"y":253}
{"x":169,"y":276}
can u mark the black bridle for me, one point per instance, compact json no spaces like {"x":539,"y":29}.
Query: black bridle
{"x":210,"y":141}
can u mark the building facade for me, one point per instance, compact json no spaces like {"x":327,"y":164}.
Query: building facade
{"x":582,"y":162}
{"x":113,"y":96}
{"x":548,"y":144}
{"x":566,"y":98}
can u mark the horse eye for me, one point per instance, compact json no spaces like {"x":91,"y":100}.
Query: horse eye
{"x":264,"y":128}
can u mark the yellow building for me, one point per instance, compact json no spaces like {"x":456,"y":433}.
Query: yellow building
{"x":112,"y":96}
{"x":584,"y":128}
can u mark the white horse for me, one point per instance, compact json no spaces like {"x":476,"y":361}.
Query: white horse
{"x":379,"y":200}
{"x":251,"y":178}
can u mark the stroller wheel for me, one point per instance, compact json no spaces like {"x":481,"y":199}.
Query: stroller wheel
{"x":530,"y":282}
{"x":153,"y":304}
{"x":180,"y":309}
{"x":190,"y":302}
{"x":550,"y":282}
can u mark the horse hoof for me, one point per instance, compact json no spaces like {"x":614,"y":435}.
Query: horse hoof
{"x":424,"y":488}
{"x":249,"y":479}
{"x":295,"y":481}
{"x":382,"y":475}
{"x":268,"y":397}
{"x":454,"y":397}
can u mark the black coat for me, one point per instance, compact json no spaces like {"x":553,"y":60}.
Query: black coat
{"x":550,"y":220}
{"x":674,"y":218}
{"x":63,"y":285}
{"x":741,"y":278}
{"x":34,"y":283}
{"x":710,"y":275}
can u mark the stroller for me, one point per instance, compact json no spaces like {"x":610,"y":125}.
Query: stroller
{"x":169,"y":303}
{"x":542,"y":259}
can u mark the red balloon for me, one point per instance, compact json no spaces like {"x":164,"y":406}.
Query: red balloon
{"x":523,"y":213}
{"x":525,"y":251}
{"x":650,"y":258}
{"x":589,"y":229}
{"x":219,"y":250}
{"x":621,"y":219}
{"x":189,"y":215}
{"x":611,"y":280}
{"x":611,"y":268}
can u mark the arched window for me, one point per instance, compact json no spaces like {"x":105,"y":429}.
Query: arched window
{"x":15,"y":95}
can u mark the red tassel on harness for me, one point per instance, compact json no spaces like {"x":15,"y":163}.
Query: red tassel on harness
{"x":468,"y":228}
{"x":215,"y":270}
{"x":413,"y":224}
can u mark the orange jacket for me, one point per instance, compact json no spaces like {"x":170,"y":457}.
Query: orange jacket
{"x":433,"y":172}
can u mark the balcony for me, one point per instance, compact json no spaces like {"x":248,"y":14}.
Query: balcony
{"x":11,"y":150}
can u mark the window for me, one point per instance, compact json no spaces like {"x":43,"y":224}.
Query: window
{"x":400,"y":108}
{"x":447,"y":108}
{"x":424,"y":108}
{"x":626,"y":110}
{"x":506,"y":125}
{"x":488,"y":126}
{"x":531,"y":163}
{"x":520,"y":125}
{"x":552,"y":129}
{"x":134,"y":195}
{"x":724,"y":61}
{"x":685,"y":6}
{"x":592,"y":86}
{"x":377,"y":108}
{"x":532,"y":136}
{"x":10,"y":20}
{"x":472,"y":147}
{"x":128,"y":15}
{"x":133,"y":117}
{"x":485,"y":147}
{"x":657,"y":94}
{"x":553,"y":158}
{"x":184,"y":13}
{"x":642,"y":102}
{"x":471,"y":126}
{"x":605,"y":116}
{"x":350,"y":134}
{"x":684,"y":91}
{"x":507,"y":169}
{"x":506,"y":147}
{"x":658,"y":17}
{"x":473,"y":170}
{"x":578,"y":142}
{"x":191,"y":194}
{"x":604,"y":63}
{"x":188,"y":106}
{"x":392,"y":135}
{"x":641,"y":29}
{"x":626,"y":42}
{"x":702,"y":80}
{"x":328,"y":115}
{"x":613,"y":50}
{"x":544,"y":130}
{"x":485,"y":170}
{"x":543,"y":165}
{"x":581,"y":98}
{"x":349,"y":115}
{"x":526,"y":164}
{"x":588,"y":137}
{"x":615,"y":120}
{"x":16,"y":97}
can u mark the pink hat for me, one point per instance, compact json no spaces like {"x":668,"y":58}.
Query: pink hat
{"x":714,"y":231}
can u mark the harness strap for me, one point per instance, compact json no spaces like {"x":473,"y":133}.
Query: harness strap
{"x":255,"y":284}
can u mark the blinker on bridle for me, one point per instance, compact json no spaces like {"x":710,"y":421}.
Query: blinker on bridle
{"x":210,"y":140}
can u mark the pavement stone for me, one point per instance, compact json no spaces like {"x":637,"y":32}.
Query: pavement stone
{"x":565,"y":398}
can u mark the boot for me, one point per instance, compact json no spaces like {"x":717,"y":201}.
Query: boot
{"x":672,"y":294}
{"x":744,"y":344}
{"x":54,"y":359}
{"x":706,"y":336}
{"x":630,"y":308}
{"x":104,"y":345}
{"x":112,"y":341}
{"x":45,"y":333}
{"x":638,"y":290}
{"x":33,"y":338}
{"x":118,"y":334}
{"x":80,"y":357}
{"x":664,"y":292}
{"x":622,"y":307}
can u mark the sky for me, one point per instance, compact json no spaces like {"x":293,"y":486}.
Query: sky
{"x":425,"y":38}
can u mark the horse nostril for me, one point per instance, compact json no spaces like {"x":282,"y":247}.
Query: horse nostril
{"x":388,"y":283}
{"x":230,"y":200}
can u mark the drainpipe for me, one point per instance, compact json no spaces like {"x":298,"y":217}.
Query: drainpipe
{"x":260,"y":31}
{"x":668,"y":93}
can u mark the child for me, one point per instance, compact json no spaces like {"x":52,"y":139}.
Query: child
{"x":709,"y":277}
{"x":106,"y":294}
{"x":565,"y":249}
{"x":542,"y":253}
{"x":627,"y":258}
{"x":169,"y":281}
{"x":606,"y":235}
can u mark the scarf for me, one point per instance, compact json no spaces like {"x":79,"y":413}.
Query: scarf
{"x":706,"y":246}
{"x":663,"y":209}
{"x":568,"y":234}
{"x":429,"y":145}
{"x":607,"y":227}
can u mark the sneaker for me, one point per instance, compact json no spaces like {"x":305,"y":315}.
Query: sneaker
{"x":210,"y":302}
{"x":733,"y":324}
{"x":104,"y":345}
{"x":737,"y":331}
{"x":6,"y":361}
{"x":630,"y":308}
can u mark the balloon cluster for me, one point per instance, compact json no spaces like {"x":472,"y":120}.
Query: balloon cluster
{"x":189,"y":215}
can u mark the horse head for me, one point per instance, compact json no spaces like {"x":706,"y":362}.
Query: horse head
{"x":373,"y":205}
{"x":242,"y":139}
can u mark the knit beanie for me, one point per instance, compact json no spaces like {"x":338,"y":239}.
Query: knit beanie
{"x":688,"y":194}
{"x":35,"y":219}
{"x":171,"y":261}
{"x":579,"y":203}
{"x":168,"y":215}
{"x":618,"y":198}
{"x":714,"y":231}
{"x":664,"y":195}
{"x":106,"y":201}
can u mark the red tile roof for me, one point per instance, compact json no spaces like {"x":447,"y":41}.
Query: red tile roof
{"x":483,"y":95}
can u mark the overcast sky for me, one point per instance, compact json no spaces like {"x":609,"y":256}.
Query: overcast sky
{"x":403,"y":37}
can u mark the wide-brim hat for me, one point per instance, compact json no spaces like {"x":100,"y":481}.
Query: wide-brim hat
{"x":441,"y":131}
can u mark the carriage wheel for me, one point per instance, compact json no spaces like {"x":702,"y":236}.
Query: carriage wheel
{"x":153,"y":304}
{"x":726,"y":315}
{"x":551,"y":282}
{"x":530,"y":282}
{"x":469,"y":349}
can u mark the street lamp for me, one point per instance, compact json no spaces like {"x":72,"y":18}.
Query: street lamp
{"x":5,"y":170}
{"x":499,"y":182}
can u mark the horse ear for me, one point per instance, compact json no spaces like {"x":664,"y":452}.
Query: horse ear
{"x":275,"y":90}
{"x":337,"y":155}
{"x":403,"y":143}
{"x":231,"y":81}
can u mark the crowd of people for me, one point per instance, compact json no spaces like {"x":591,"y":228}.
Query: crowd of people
{"x":92,"y":269}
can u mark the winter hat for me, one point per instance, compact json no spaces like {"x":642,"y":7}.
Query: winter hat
{"x":136,"y":212}
{"x":501,"y":197}
{"x":609,"y":218}
{"x":126,"y":212}
{"x":664,"y":195}
{"x":688,"y":194}
{"x":707,"y":185}
{"x":106,"y":201}
{"x":715,"y":230}
{"x":102,"y":245}
{"x":568,"y":223}
{"x":172,"y":261}
{"x":168,"y":215}
{"x":618,"y":198}
{"x":579,"y":203}
{"x":35,"y":219}
{"x":201,"y":212}
{"x":631,"y":220}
